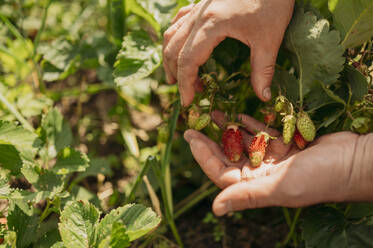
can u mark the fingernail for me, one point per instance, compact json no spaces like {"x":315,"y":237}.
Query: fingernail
{"x":267,"y":93}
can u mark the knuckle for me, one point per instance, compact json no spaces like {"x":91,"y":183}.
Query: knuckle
{"x":250,"y":200}
{"x":167,"y":53}
{"x":268,"y":70}
{"x":167,"y":35}
{"x":184,"y":59}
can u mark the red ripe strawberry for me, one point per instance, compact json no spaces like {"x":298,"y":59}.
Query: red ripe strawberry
{"x":269,"y":118}
{"x":299,"y":140}
{"x":232,"y":143}
{"x":257,"y":148}
{"x":269,"y":115}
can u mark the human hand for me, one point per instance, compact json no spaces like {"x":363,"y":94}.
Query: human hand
{"x":197,"y":29}
{"x":334,"y":168}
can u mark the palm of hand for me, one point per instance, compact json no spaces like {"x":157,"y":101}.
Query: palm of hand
{"x":287,"y":176}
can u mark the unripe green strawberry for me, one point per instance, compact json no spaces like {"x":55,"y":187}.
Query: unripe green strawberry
{"x":305,"y":126}
{"x":202,"y":122}
{"x":163,"y":133}
{"x":193,"y":116}
{"x":361,"y":125}
{"x":289,"y":128}
{"x":280,"y":103}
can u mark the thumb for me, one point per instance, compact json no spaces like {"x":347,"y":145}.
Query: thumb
{"x":243,"y":195}
{"x":263,"y":60}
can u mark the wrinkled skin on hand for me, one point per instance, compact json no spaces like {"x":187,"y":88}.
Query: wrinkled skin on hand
{"x":334,"y":168}
{"x":197,"y":29}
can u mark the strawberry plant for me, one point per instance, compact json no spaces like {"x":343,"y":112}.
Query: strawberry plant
{"x":91,"y":148}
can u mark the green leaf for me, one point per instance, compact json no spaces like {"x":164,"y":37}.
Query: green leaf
{"x":320,"y":96}
{"x":354,"y":19}
{"x":138,"y":220}
{"x":77,"y":225}
{"x":25,"y":141}
{"x":117,"y":19}
{"x":10,"y":158}
{"x":61,"y":58}
{"x":4,"y":188}
{"x":357,"y":82}
{"x":360,"y":210}
{"x":137,"y":59}
{"x":140,"y":90}
{"x":134,"y":7}
{"x":56,"y":131}
{"x":25,"y":226}
{"x":288,"y":84}
{"x":326,"y":227}
{"x":58,"y":245}
{"x":323,"y":227}
{"x":70,"y":160}
{"x":315,"y":50}
{"x":118,"y":237}
{"x":43,"y":179}
{"x":31,"y":104}
{"x":79,"y":193}
{"x":97,"y":165}
{"x":161,"y":10}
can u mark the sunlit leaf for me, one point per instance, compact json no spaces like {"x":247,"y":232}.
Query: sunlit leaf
{"x":315,"y":50}
{"x":77,"y":224}
{"x":354,"y":19}
{"x":138,"y":220}
{"x":137,"y":59}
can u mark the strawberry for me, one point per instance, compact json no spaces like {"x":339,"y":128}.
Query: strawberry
{"x":232,"y":143}
{"x":202,"y":122}
{"x":289,"y":128}
{"x":257,"y":148}
{"x":269,"y":115}
{"x":193,"y":116}
{"x":280,"y":103}
{"x":269,"y":118}
{"x":305,"y":126}
{"x":299,"y":140}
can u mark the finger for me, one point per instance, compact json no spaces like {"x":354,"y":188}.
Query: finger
{"x":253,"y":126}
{"x":263,"y":60}
{"x":177,"y":34}
{"x":170,"y":52}
{"x":215,"y":148}
{"x":170,"y":79}
{"x":182,"y":12}
{"x":212,"y":166}
{"x":250,"y":124}
{"x":246,"y":195}
{"x":196,"y":50}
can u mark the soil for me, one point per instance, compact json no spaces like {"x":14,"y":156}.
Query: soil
{"x":250,"y":228}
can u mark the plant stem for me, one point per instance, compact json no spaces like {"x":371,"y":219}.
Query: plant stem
{"x":292,"y":227}
{"x":46,"y":211}
{"x":41,"y":29}
{"x":150,"y":161}
{"x":12,"y":109}
{"x":287,"y":216}
{"x":195,"y":200}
